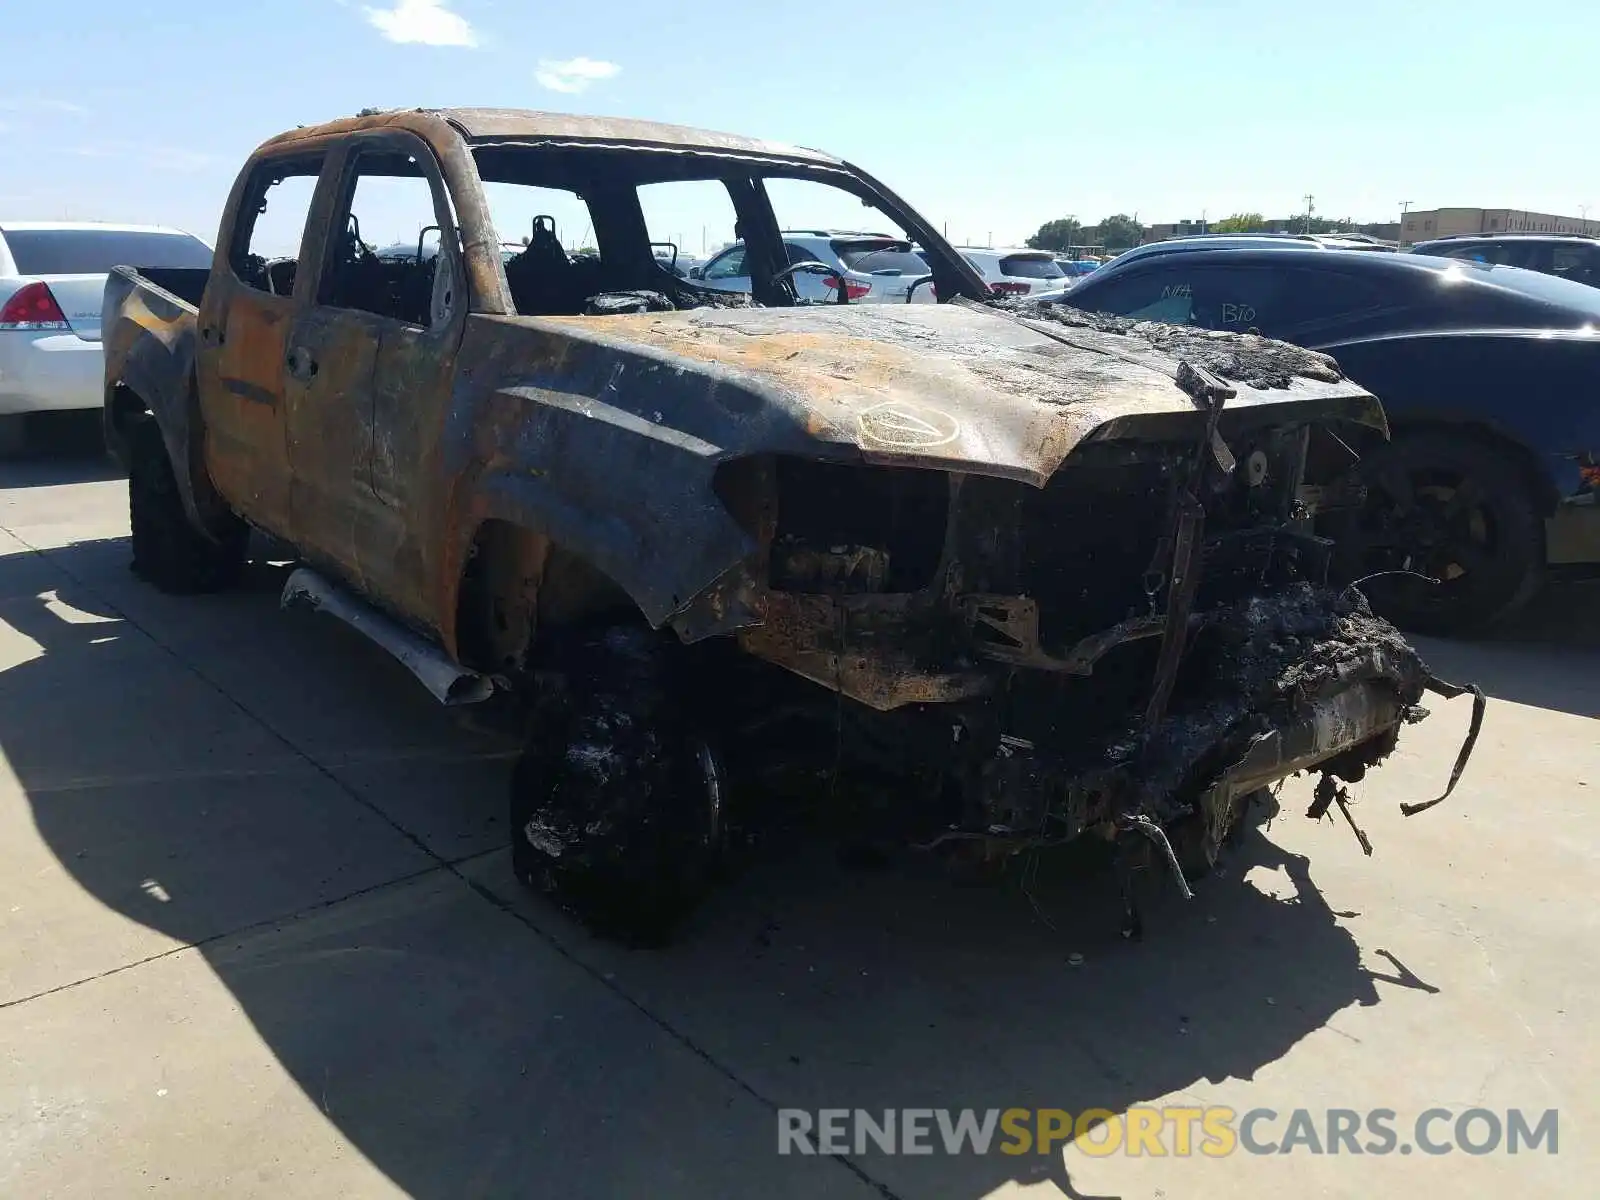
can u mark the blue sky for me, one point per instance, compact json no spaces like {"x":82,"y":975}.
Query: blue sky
{"x":990,"y":118}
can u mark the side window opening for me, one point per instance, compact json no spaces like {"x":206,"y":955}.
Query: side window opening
{"x":698,"y":217}
{"x":1580,"y":262}
{"x":728,"y":265}
{"x":1174,"y":306}
{"x":389,"y":259}
{"x":1166,"y":298}
{"x":266,"y":245}
{"x":872,"y":253}
{"x":1237,"y":299}
{"x":549,"y":245}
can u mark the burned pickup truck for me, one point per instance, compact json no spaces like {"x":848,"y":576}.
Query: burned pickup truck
{"x":1052,"y":578}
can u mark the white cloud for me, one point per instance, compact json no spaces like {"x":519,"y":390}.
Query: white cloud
{"x":574,"y":74}
{"x":426,"y":21}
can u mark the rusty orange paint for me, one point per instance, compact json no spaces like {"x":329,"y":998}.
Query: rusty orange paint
{"x":241,"y":404}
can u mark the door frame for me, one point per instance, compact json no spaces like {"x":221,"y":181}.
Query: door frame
{"x":242,"y":377}
{"x":373,"y":511}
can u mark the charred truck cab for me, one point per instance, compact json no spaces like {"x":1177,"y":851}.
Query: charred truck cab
{"x":1042,"y":574}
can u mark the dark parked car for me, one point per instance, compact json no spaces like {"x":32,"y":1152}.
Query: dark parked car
{"x":1250,"y":241}
{"x":1567,"y":255}
{"x":1490,"y":376}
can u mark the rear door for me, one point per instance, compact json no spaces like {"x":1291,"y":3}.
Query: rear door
{"x":244,"y":322}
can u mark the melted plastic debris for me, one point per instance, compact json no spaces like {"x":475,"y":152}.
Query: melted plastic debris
{"x":1246,"y":358}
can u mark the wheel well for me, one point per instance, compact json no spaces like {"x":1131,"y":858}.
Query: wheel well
{"x":123,"y":404}
{"x":1525,"y":461}
{"x":514,"y":582}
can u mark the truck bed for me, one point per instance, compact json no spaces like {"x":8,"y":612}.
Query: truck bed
{"x":148,"y":325}
{"x":185,"y":284}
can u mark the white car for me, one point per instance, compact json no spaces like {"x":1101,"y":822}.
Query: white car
{"x":1015,"y":272}
{"x":874,"y":267}
{"x":52,"y":276}
{"x":681,"y":266}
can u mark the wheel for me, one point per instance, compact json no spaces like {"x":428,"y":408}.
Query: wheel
{"x":168,"y":551}
{"x":1449,"y":508}
{"x":617,"y":800}
{"x":13,"y":434}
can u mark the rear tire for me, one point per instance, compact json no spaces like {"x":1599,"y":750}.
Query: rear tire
{"x":616,"y":803}
{"x":13,"y":434}
{"x":168,"y":551}
{"x":1451,"y":508}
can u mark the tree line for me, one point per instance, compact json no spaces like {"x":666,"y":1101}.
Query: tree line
{"x":1120,"y":231}
{"x":1116,"y":232}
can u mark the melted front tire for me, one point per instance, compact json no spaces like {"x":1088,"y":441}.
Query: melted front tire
{"x":616,"y":801}
{"x":168,"y":551}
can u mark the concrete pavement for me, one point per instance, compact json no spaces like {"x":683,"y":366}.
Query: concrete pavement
{"x":258,"y":937}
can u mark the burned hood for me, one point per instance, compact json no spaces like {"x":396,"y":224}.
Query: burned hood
{"x":958,"y":386}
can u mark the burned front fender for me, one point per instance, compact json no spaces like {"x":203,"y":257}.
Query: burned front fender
{"x":609,"y":433}
{"x":610,"y":455}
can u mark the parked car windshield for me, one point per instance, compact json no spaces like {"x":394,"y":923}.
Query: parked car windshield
{"x":96,"y":251}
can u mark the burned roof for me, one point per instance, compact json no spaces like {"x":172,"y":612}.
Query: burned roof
{"x":527,"y":125}
{"x":517,"y":124}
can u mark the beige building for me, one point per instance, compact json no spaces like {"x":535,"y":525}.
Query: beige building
{"x":1423,"y":224}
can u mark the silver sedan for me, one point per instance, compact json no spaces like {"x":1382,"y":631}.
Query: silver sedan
{"x":52,"y":275}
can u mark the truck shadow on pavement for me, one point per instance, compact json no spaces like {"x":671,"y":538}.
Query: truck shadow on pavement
{"x":468,"y":1047}
{"x":62,"y":448}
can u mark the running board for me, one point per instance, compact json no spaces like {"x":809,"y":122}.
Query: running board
{"x":450,"y":684}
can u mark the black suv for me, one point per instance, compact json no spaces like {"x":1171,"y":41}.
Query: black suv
{"x":1569,"y":255}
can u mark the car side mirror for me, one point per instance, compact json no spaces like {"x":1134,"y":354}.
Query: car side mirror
{"x":695,"y":273}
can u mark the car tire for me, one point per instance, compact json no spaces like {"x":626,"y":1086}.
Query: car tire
{"x":168,"y":551}
{"x":1450,"y":508}
{"x":616,"y":801}
{"x":13,"y":434}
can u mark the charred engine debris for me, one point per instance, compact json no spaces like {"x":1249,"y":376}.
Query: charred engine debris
{"x":1135,"y":650}
{"x":1236,"y":358}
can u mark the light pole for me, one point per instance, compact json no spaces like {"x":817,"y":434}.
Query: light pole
{"x":1404,"y":205}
